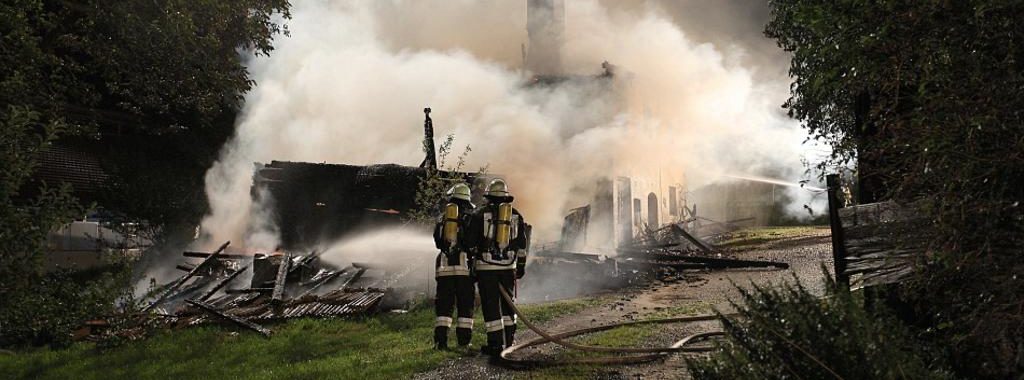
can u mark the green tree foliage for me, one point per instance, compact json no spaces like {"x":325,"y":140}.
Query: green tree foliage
{"x":927,"y":96}
{"x":24,"y":227}
{"x":160,"y":80}
{"x":38,"y":307}
{"x":156,"y":66}
{"x":435,"y":184}
{"x":154,"y":85}
{"x":789,"y":333}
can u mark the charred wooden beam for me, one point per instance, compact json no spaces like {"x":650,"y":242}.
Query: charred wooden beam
{"x":248,"y":290}
{"x":693,"y":262}
{"x":177,"y":283}
{"x":237,"y":320}
{"x":185,"y":267}
{"x":364,"y":266}
{"x":282,"y":278}
{"x":221,"y":283}
{"x":571,"y":256}
{"x":223,"y":256}
{"x":323,"y":281}
{"x":717,"y":263}
{"x":304,"y":261}
{"x":686,"y":235}
{"x":355,"y":277}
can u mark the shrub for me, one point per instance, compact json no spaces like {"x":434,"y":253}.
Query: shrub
{"x":787,"y":332}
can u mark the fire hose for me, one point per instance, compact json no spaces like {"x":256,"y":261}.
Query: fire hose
{"x":648,"y":353}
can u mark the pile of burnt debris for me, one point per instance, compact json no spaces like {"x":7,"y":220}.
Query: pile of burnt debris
{"x":664,"y":254}
{"x":248,"y":289}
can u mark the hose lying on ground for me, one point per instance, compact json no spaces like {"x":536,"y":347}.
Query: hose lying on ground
{"x":652,"y":353}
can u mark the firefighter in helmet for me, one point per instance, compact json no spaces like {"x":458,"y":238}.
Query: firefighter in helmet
{"x":499,"y":239}
{"x":455,"y":288}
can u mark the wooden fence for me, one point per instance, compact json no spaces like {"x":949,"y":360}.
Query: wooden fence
{"x":870,"y":242}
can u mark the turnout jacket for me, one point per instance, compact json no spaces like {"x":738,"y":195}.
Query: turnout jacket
{"x":453,"y":261}
{"x":480,"y":238}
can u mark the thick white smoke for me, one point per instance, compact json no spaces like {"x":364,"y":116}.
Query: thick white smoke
{"x":349,"y":84}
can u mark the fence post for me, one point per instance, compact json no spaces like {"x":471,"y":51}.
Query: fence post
{"x":838,"y":242}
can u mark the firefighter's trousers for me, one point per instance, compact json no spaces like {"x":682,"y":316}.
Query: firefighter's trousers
{"x":499,"y":319}
{"x":454,"y":292}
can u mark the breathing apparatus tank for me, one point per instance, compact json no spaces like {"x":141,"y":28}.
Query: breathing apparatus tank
{"x":503,"y":224}
{"x":450,"y":231}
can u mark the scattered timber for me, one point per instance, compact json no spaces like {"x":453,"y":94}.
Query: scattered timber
{"x":221,"y":284}
{"x":176,"y":284}
{"x":237,"y":320}
{"x":282,"y":278}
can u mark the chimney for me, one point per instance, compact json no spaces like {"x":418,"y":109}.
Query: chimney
{"x":430,"y":161}
{"x":545,"y":27}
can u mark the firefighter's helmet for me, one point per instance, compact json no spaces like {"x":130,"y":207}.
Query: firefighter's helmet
{"x":498,"y":189}
{"x":459,"y":191}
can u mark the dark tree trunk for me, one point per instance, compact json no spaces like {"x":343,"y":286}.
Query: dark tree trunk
{"x":871,"y":187}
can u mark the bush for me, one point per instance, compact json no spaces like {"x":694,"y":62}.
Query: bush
{"x":788,"y":332}
{"x":926,"y":98}
{"x":36,"y":307}
{"x":48,"y":312}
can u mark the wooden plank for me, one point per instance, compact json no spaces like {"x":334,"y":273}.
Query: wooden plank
{"x":305,"y":260}
{"x":889,"y":276}
{"x":717,"y":263}
{"x":323,"y":281}
{"x":221,"y":284}
{"x":177,"y":283}
{"x":355,"y":277}
{"x":282,"y":277}
{"x":697,"y":242}
{"x":878,"y":248}
{"x":237,"y":320}
{"x":223,"y":256}
{"x":838,"y":242}
{"x":874,"y":213}
{"x":248,"y":290}
{"x":185,"y":267}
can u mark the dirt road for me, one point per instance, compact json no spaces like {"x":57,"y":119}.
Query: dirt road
{"x":698,"y":292}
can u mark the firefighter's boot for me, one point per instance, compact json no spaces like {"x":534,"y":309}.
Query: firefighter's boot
{"x":441,"y":338}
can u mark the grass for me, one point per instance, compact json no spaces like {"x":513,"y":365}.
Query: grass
{"x":386,"y":346}
{"x":383,"y":347}
{"x":547,"y":311}
{"x":628,"y":336}
{"x":755,"y":236}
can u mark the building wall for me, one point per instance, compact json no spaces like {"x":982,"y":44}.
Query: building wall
{"x":736,"y":200}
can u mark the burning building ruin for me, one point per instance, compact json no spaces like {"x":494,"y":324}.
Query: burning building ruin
{"x":311,"y":203}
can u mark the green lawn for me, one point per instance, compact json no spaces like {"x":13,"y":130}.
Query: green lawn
{"x":387,"y":346}
{"x":628,"y":336}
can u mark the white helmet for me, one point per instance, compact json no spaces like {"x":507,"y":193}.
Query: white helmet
{"x":459,"y":191}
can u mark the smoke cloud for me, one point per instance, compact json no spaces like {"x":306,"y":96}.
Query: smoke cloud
{"x":348,"y":85}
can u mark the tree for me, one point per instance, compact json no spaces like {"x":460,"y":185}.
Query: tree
{"x":436,"y":182}
{"x":133,"y":74}
{"x":155,"y":85}
{"x":926,"y":97}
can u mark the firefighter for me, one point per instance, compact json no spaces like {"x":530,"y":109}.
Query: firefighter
{"x":499,"y":238}
{"x":455,"y":289}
